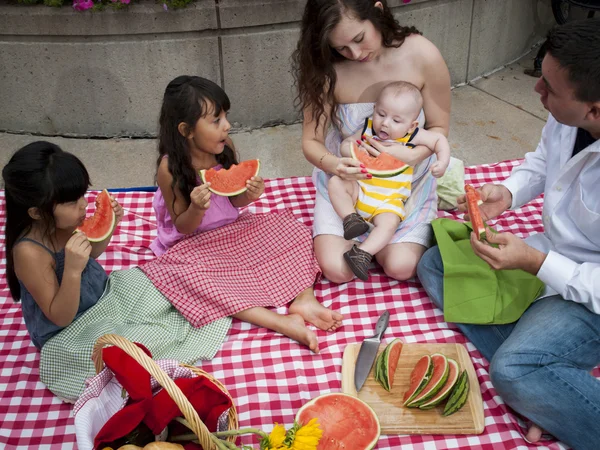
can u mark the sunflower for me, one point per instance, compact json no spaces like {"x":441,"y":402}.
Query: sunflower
{"x":304,"y":437}
{"x":275,"y":440}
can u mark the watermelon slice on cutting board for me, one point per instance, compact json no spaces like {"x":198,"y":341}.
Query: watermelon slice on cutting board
{"x":232,"y":181}
{"x":99,"y":226}
{"x":453,"y":373}
{"x":347,"y":422}
{"x":386,"y":364}
{"x":382,"y":166}
{"x":436,"y":382}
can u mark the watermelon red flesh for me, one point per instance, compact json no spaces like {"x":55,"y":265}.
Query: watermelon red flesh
{"x":98,"y":227}
{"x":391,"y":361}
{"x":347,"y":422}
{"x":419,"y":377}
{"x":437,"y":380}
{"x":473,"y":202}
{"x":384,"y":165}
{"x":453,"y":373}
{"x":232,"y":181}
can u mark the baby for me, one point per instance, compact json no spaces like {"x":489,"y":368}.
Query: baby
{"x":380,"y":200}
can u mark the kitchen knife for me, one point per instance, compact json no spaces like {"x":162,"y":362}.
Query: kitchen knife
{"x":368,"y":352}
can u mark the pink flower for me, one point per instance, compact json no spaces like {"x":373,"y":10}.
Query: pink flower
{"x":82,"y":5}
{"x":165,"y":7}
{"x":126,"y":2}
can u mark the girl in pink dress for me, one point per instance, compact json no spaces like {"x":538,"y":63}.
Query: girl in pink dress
{"x":194,"y":135}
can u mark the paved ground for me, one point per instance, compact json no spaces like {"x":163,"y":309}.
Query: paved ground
{"x":494,"y":118}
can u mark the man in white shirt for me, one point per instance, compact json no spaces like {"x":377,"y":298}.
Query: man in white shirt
{"x":540,"y":365}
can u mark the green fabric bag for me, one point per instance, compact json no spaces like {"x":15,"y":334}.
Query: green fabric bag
{"x":473,"y":291}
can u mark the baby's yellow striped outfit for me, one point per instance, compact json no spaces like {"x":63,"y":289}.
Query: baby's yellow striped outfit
{"x":380,"y":195}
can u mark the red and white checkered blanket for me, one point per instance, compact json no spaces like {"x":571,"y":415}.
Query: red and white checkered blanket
{"x":269,"y":376}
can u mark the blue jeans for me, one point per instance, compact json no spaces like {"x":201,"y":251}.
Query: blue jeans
{"x":540,"y":365}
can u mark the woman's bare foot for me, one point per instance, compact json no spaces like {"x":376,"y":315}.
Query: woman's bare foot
{"x":534,"y":434}
{"x":307,"y":306}
{"x":293,"y":327}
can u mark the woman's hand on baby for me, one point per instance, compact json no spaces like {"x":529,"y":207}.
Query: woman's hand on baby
{"x":256,"y":187}
{"x":371,"y":145}
{"x":351,"y":169}
{"x":117,"y":208}
{"x":77,"y":253}
{"x":200,"y":197}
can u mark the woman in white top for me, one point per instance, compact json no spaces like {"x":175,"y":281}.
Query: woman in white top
{"x":348,"y":50}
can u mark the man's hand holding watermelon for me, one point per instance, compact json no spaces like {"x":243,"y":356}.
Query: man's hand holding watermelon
{"x":501,"y":250}
{"x":496,"y":199}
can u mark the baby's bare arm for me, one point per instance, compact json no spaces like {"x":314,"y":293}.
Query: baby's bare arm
{"x":438,"y":143}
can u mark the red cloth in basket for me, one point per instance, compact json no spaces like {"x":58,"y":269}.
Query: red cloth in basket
{"x":156,"y":411}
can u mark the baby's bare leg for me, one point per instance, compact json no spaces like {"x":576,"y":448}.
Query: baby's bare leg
{"x":380,"y":236}
{"x":343,"y":195}
{"x":291,"y":325}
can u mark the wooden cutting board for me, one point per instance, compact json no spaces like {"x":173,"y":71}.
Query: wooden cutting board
{"x":397,"y":419}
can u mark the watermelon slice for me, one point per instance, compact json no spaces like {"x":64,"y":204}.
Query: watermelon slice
{"x":473,"y":202}
{"x":382,"y":166}
{"x":436,"y":382}
{"x":419,"y":377}
{"x":458,"y":396}
{"x":389,"y":362}
{"x":347,"y":422}
{"x":232,"y":181}
{"x":98,"y":227}
{"x":444,"y":392}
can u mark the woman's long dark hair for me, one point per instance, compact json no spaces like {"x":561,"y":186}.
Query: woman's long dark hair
{"x":314,"y":59}
{"x":39,"y":175}
{"x":187,"y":99}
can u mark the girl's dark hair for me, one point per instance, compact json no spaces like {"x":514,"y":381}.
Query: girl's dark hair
{"x":576,"y":47}
{"x":314,"y":59}
{"x":39,"y":175}
{"x":187,"y":99}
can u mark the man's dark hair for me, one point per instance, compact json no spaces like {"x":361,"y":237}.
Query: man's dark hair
{"x":576,"y":47}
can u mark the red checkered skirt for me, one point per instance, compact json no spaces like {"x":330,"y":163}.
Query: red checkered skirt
{"x":258,"y":260}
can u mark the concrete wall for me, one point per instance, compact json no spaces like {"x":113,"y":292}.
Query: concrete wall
{"x":102,"y":74}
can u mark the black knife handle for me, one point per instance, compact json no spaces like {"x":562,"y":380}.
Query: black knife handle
{"x":382,"y":324}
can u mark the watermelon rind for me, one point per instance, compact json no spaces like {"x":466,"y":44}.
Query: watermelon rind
{"x":432,"y":387}
{"x":379,"y":173}
{"x":459,"y":395}
{"x":366,"y":409}
{"x":228,"y":194}
{"x":424,"y":379}
{"x":109,"y":229}
{"x":386,"y":364}
{"x":445,"y":391}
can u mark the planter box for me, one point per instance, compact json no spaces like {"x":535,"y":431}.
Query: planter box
{"x":100,"y":74}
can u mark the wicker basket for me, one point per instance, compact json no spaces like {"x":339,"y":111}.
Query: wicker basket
{"x":188,"y":411}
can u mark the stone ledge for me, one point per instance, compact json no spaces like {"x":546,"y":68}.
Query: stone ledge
{"x":143,"y":18}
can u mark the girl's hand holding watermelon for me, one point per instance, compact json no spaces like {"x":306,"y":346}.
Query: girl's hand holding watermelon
{"x":117,"y":208}
{"x":496,"y":199}
{"x":77,"y":253}
{"x":200,"y":197}
{"x":256,"y":187}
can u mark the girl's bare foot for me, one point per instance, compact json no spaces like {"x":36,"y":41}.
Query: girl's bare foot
{"x":293,"y":327}
{"x":534,"y":434}
{"x":307,"y":306}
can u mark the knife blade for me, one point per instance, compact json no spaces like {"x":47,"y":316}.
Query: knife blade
{"x":368,"y":352}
